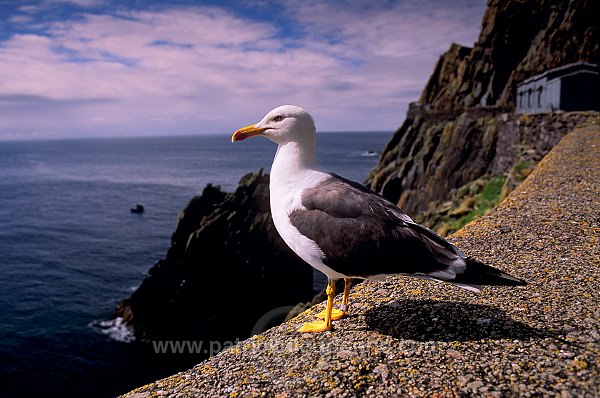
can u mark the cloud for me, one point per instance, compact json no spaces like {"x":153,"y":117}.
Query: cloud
{"x":183,"y":69}
{"x":79,"y":3}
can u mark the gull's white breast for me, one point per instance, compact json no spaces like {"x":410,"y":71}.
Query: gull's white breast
{"x":285,"y":197}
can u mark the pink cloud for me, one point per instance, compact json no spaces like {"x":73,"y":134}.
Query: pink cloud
{"x":203,"y":69}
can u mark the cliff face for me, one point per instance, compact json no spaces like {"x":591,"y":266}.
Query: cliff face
{"x":455,"y":134}
{"x":518,"y":39}
{"x":434,"y":153}
{"x":519,"y":143}
{"x":227,"y":266}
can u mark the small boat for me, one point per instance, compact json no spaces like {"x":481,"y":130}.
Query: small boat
{"x":369,"y":153}
{"x":137,"y":209}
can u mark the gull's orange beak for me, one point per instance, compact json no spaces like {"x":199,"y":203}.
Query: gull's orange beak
{"x":247,"y":132}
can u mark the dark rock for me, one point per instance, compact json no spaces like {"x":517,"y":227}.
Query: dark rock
{"x":226,"y":267}
{"x":434,"y":153}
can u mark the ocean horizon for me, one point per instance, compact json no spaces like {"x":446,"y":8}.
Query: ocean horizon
{"x":71,"y":248}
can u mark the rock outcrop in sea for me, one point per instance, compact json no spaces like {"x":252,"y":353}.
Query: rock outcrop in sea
{"x":225,"y":269}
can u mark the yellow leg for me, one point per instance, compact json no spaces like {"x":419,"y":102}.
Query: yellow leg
{"x":335,"y":313}
{"x":322,"y":326}
{"x":347,"y":286}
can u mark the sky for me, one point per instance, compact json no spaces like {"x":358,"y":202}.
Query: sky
{"x":89,"y":68}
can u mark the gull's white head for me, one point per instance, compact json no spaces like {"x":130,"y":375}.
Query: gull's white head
{"x":287,"y":123}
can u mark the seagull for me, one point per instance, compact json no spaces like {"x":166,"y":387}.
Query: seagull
{"x":347,"y":231}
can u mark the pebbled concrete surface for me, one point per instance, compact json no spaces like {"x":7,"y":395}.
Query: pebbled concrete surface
{"x":415,"y":338}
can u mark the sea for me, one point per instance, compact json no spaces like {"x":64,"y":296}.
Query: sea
{"x":70,"y":248}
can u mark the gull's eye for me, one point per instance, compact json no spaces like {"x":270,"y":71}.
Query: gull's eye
{"x":278,"y":118}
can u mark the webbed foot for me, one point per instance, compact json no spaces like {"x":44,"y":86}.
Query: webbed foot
{"x":335,"y":314}
{"x":315,"y":327}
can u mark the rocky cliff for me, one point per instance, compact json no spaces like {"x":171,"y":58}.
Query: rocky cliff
{"x":462,"y":128}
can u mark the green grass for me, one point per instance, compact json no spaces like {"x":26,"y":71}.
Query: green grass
{"x":491,"y":191}
{"x":484,"y":201}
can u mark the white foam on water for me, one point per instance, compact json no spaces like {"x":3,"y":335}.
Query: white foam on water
{"x":116,"y":329}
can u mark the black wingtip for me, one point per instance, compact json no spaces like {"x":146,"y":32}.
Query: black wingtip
{"x":478,"y":273}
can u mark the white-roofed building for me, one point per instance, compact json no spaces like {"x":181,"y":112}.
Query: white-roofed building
{"x":572,"y":87}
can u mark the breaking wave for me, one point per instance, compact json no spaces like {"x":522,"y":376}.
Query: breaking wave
{"x":115,"y":329}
